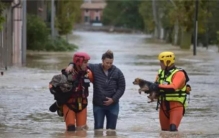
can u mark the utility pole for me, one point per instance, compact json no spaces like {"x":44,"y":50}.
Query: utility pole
{"x":196,"y":27}
{"x":24,"y":32}
{"x":53,"y":18}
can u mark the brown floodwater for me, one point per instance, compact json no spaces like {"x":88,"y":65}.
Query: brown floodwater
{"x":25,"y":97}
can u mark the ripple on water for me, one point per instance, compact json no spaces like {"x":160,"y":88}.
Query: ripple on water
{"x":25,"y":99}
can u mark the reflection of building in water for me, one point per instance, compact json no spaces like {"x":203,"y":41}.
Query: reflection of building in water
{"x":92,"y":11}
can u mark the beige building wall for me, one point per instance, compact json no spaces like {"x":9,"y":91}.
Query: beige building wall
{"x":17,"y":35}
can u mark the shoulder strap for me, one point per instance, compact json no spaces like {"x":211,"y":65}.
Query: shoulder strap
{"x":185,"y":73}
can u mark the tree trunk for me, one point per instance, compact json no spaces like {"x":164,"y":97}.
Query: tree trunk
{"x":155,"y":16}
{"x":205,"y":41}
{"x":166,"y":33}
{"x":159,"y":17}
{"x":176,"y":33}
{"x":170,"y":38}
{"x":179,"y":37}
{"x":186,"y":40}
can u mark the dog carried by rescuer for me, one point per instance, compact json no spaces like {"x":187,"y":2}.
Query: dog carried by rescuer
{"x":144,"y":86}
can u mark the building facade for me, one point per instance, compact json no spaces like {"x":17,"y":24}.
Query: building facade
{"x":11,"y":35}
{"x":92,"y":11}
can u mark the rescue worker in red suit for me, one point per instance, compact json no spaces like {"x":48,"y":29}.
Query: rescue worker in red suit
{"x":75,"y":108}
{"x":171,"y":84}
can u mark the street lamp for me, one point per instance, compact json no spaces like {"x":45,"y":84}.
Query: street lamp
{"x":195,"y":27}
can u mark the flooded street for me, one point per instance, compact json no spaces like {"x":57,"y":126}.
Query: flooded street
{"x":25,"y":98}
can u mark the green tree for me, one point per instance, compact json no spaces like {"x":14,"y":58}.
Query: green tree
{"x":37,"y":33}
{"x":184,"y":13}
{"x":211,"y":24}
{"x":67,"y":14}
{"x":123,"y":13}
{"x":38,"y":37}
{"x":178,"y":13}
{"x":162,"y":19}
{"x":145,"y":10}
{"x":3,"y":6}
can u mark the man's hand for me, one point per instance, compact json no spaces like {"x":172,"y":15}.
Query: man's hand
{"x":108,"y":102}
{"x":69,"y":68}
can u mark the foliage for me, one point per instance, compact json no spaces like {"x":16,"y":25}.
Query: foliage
{"x":38,"y":37}
{"x":68,"y":12}
{"x":185,"y":11}
{"x":145,"y":10}
{"x":166,"y":9}
{"x":3,"y":6}
{"x":59,"y":44}
{"x":212,"y":23}
{"x":181,"y":12}
{"x":123,"y":13}
{"x":37,"y":32}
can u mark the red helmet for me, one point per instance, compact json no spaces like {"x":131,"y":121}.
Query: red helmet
{"x":79,"y":57}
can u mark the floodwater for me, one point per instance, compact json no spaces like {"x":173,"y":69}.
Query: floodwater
{"x":25,"y":97}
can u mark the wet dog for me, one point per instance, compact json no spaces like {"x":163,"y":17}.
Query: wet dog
{"x":144,"y":86}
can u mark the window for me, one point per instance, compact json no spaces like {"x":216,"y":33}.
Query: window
{"x":97,"y":10}
{"x":86,"y":19}
{"x":86,"y":10}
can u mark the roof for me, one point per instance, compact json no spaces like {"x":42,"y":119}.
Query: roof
{"x":88,"y":5}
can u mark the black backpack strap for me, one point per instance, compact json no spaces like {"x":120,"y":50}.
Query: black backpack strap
{"x":185,"y":73}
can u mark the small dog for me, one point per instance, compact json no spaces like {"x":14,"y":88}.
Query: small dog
{"x":144,"y":86}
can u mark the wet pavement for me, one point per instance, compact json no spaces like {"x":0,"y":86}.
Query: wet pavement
{"x":25,"y":97}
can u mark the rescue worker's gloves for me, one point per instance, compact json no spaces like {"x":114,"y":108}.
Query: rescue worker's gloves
{"x":53,"y":107}
{"x":154,"y":87}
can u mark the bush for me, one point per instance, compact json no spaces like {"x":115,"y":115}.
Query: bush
{"x":59,"y":44}
{"x":37,"y":33}
{"x":38,"y":37}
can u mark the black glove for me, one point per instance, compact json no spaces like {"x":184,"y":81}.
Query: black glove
{"x":53,"y":107}
{"x":154,"y":87}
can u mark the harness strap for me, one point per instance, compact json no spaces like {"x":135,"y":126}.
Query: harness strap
{"x":162,"y":76}
{"x":163,"y":96}
{"x":166,"y":104}
{"x":158,"y":103}
{"x":78,"y":105}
